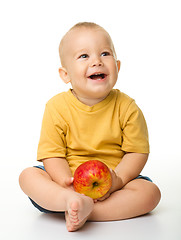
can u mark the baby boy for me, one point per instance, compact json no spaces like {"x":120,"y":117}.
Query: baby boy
{"x":91,"y":121}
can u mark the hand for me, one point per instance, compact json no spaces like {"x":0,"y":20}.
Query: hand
{"x":116,"y":185}
{"x":69,"y":183}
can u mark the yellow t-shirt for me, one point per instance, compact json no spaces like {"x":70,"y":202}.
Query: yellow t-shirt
{"x":104,"y":132}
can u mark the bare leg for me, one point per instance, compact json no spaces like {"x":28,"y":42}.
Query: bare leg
{"x":38,"y":185}
{"x":138,"y":197}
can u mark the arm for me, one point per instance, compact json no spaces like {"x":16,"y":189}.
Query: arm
{"x":59,"y":170}
{"x":129,"y":168}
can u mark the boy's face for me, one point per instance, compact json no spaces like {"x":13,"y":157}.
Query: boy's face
{"x":89,"y":63}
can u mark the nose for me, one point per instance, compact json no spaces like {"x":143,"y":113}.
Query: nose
{"x":96,"y":62}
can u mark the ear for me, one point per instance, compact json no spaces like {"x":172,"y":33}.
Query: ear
{"x":64,"y":75}
{"x":118,"y":65}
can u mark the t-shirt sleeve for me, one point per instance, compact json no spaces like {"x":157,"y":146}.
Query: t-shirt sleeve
{"x":134,"y":130}
{"x":52,"y":138}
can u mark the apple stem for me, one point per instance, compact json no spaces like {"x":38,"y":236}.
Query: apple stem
{"x":95,"y":184}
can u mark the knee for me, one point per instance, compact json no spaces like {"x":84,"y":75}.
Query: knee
{"x":152,"y":197}
{"x":24,"y":176}
{"x":157,"y":195}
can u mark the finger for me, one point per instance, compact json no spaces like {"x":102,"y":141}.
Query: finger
{"x":69,"y":181}
{"x":104,"y":197}
{"x":112,"y":172}
{"x":101,"y":199}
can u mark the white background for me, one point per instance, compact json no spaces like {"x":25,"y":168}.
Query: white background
{"x":147,"y":38}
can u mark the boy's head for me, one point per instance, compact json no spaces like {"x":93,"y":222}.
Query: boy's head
{"x":79,"y":26}
{"x":88,"y":61}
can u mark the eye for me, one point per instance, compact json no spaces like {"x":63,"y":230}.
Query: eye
{"x":105,"y":54}
{"x":83,"y":56}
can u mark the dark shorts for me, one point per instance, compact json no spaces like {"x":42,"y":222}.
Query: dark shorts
{"x":48,"y":211}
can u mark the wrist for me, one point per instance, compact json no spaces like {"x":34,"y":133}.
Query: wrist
{"x":119,"y":183}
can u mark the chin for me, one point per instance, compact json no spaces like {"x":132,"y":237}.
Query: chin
{"x":99,"y":92}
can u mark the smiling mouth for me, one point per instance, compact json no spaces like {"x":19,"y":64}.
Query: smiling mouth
{"x":98,"y":76}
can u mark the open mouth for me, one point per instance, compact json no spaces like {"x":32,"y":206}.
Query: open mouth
{"x":98,"y":76}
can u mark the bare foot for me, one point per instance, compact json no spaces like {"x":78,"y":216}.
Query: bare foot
{"x":78,"y":212}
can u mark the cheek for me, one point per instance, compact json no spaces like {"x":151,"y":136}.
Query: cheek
{"x":112,"y":66}
{"x":116,"y":69}
{"x":78,"y":70}
{"x":73,"y":75}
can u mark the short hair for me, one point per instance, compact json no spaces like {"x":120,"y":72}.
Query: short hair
{"x":80,"y":25}
{"x":86,"y":24}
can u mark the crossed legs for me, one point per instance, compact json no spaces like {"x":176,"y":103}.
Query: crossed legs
{"x":138,"y":197}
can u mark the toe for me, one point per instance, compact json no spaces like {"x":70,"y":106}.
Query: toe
{"x":74,"y":206}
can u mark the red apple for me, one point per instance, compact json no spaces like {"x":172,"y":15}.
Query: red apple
{"x":93,"y":179}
